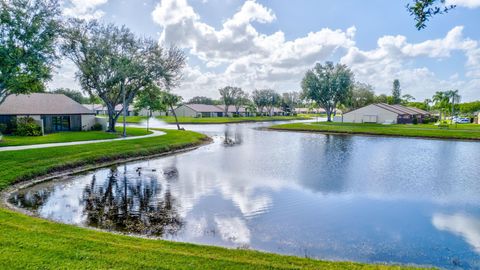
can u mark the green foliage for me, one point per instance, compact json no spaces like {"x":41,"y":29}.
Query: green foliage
{"x":97,"y":127}
{"x":73,"y":94}
{"x":420,"y":105}
{"x":396,"y":92}
{"x":150,"y":99}
{"x":26,"y":126}
{"x":469,"y":108}
{"x":290,"y":101}
{"x":3,"y":128}
{"x":201,"y":100}
{"x":415,"y":120}
{"x":423,"y":10}
{"x":115,"y":65}
{"x":328,"y":85}
{"x":28,"y":34}
{"x":361,"y":95}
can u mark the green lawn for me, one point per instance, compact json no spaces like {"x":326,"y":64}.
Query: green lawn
{"x":225,"y":120}
{"x":460,"y":131}
{"x":73,"y":136}
{"x":33,"y":243}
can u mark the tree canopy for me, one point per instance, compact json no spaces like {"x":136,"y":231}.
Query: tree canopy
{"x":29,"y":30}
{"x":328,"y":85}
{"x":396,"y":92}
{"x":73,"y":94}
{"x":201,"y":100}
{"x":424,"y":10}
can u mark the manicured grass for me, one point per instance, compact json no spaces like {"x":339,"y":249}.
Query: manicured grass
{"x":32,"y":243}
{"x":73,"y":136}
{"x":465,"y":131}
{"x":224,"y":120}
{"x":130,"y":119}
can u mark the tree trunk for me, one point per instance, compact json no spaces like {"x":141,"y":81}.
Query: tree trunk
{"x":329,"y":114}
{"x":111,"y":120}
{"x":122,"y":86}
{"x":175,"y":115}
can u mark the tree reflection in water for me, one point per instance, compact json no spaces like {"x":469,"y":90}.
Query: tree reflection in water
{"x":126,"y":205}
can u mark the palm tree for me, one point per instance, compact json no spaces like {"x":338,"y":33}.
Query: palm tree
{"x":454,"y":97}
{"x":172,"y":100}
{"x":441,"y":102}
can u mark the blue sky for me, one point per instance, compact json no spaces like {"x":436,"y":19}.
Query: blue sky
{"x":260,"y":44}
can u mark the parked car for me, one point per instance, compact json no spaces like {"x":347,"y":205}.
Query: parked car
{"x":462,"y":120}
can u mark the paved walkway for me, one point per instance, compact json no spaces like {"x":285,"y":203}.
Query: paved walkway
{"x":47,"y":145}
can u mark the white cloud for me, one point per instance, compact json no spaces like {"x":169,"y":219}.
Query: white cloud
{"x":233,"y":230}
{"x":84,"y":9}
{"x":464,"y":3}
{"x":465,"y":226}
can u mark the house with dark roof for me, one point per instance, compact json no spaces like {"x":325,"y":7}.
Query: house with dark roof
{"x":53,"y":112}
{"x":385,"y":113}
{"x":101,"y":109}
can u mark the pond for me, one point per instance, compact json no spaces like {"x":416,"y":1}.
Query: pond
{"x":333,"y":197}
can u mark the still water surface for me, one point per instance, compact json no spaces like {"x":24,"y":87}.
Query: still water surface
{"x":335,"y":197}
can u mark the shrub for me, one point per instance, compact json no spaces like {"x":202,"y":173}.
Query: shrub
{"x":415,"y":120}
{"x":426,"y":120}
{"x":97,"y":127}
{"x":3,"y":128}
{"x":26,"y":126}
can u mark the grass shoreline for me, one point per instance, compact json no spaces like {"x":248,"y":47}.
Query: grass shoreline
{"x":215,"y":120}
{"x":381,"y":130}
{"x":29,"y":242}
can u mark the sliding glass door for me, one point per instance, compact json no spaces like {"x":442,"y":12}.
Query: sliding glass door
{"x":61,"y":123}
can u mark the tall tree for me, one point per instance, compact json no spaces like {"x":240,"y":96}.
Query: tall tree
{"x":361,"y":95}
{"x":201,"y":100}
{"x":114,"y":65}
{"x":290,"y":101}
{"x":228,"y":95}
{"x":273,"y":100}
{"x":171,"y":100}
{"x":29,"y":30}
{"x":396,"y":92}
{"x":454,"y":99}
{"x":328,"y":85}
{"x":150,"y":99}
{"x":73,"y":94}
{"x":424,"y":10}
{"x":407,"y":98}
{"x":241,"y":99}
{"x":441,"y":102}
{"x":260,"y":100}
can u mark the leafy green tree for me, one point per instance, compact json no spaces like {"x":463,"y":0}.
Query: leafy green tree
{"x":150,"y":99}
{"x":73,"y":94}
{"x":381,"y":98}
{"x":407,"y":98}
{"x":396,"y":92}
{"x":361,"y":95}
{"x":469,"y":107}
{"x":328,"y":85}
{"x":228,"y":94}
{"x":454,"y":98}
{"x":201,"y":100}
{"x":29,"y":30}
{"x":241,"y":99}
{"x":260,"y":99}
{"x":441,"y":102}
{"x":273,"y":100}
{"x":424,"y":10}
{"x":115,"y":65}
{"x":290,"y":101}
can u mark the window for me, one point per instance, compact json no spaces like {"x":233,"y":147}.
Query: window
{"x":61,"y":123}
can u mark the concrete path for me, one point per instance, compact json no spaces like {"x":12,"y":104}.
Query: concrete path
{"x":47,"y":145}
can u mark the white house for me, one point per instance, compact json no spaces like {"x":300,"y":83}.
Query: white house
{"x":53,"y":112}
{"x":199,"y":110}
{"x":384,"y":113}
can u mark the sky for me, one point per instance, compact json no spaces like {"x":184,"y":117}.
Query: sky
{"x":259,"y":44}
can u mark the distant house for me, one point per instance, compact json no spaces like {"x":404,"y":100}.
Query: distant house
{"x":242,"y":110}
{"x":101,"y":109}
{"x":385,"y":113}
{"x":54,"y":112}
{"x":199,"y":110}
{"x":310,"y":110}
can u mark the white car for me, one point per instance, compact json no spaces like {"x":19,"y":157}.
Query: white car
{"x":462,"y":120}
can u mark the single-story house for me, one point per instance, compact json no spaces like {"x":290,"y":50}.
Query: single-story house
{"x":199,"y":110}
{"x":385,"y":113}
{"x":101,"y":109}
{"x":309,"y":110}
{"x":53,"y":112}
{"x":242,"y":110}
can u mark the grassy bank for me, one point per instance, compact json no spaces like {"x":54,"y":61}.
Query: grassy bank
{"x":32,"y":243}
{"x":226,"y":120}
{"x":466,"y":132}
{"x":71,"y":136}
